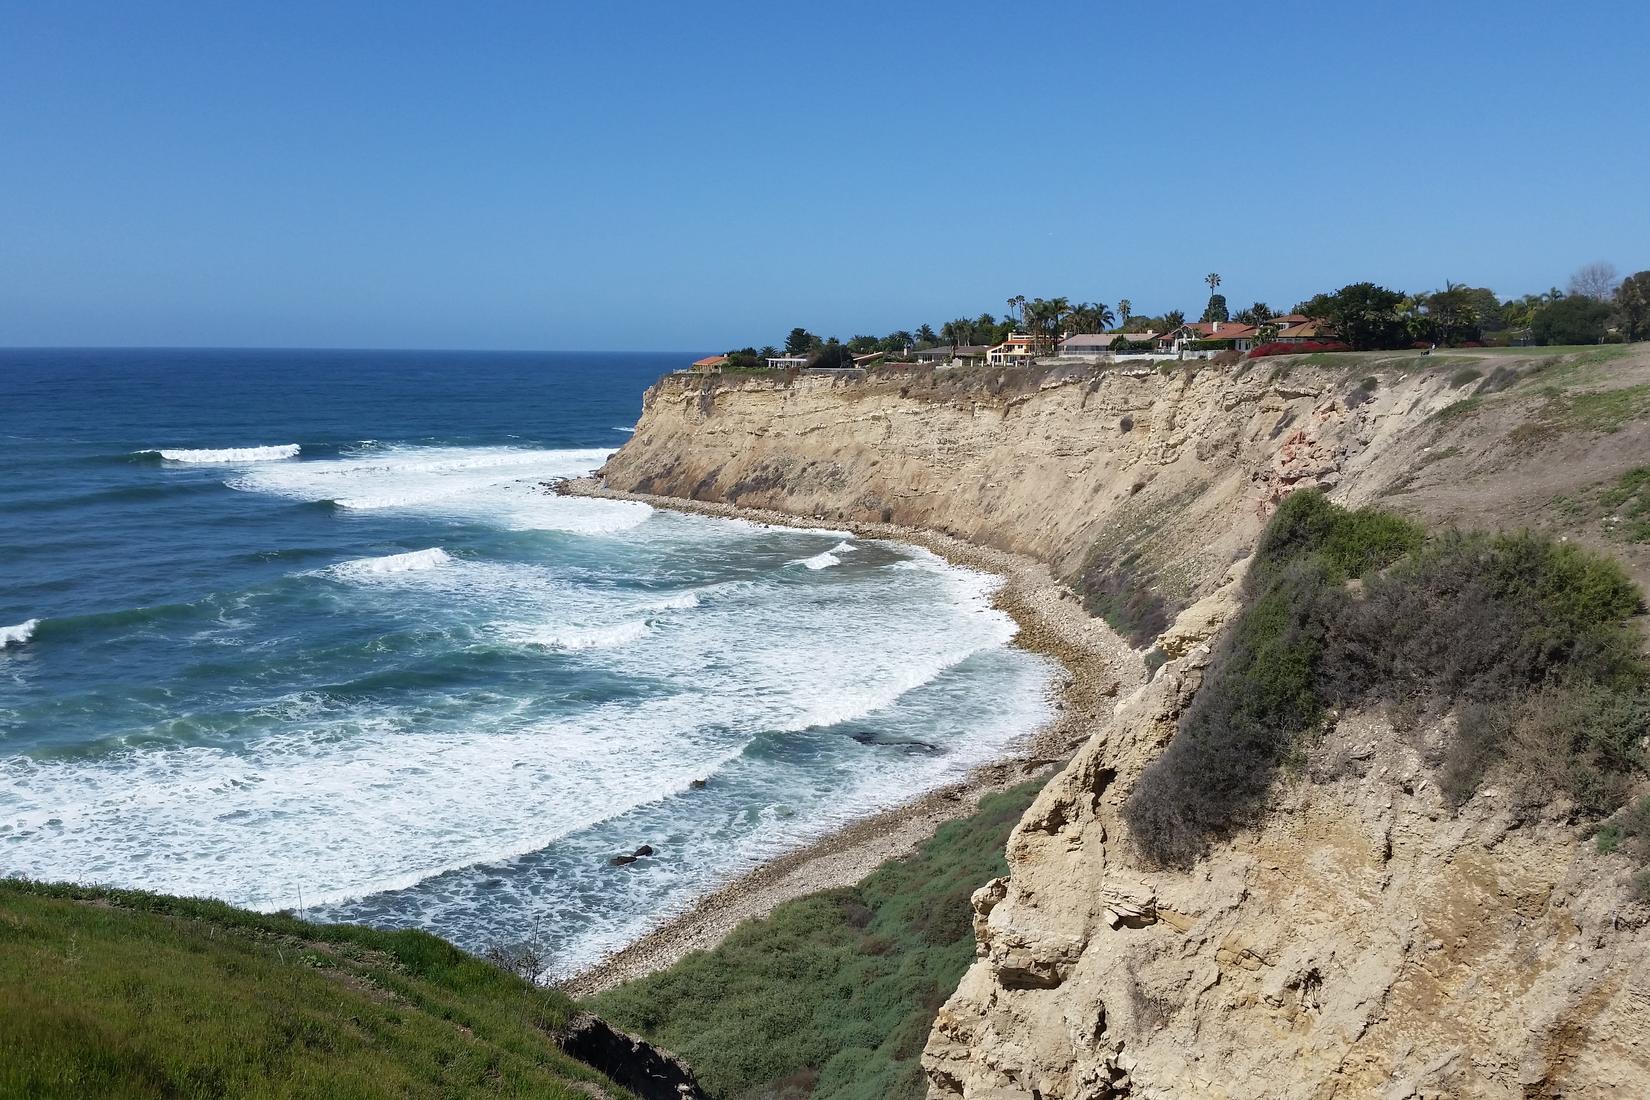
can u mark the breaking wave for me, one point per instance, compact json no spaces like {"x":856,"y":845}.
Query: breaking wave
{"x":582,"y":637}
{"x":17,"y":635}
{"x":228,"y":456}
{"x":819,"y":561}
{"x":414,"y":561}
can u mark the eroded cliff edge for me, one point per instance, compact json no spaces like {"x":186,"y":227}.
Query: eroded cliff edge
{"x":1368,"y":940}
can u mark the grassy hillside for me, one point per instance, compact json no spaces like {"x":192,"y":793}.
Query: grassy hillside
{"x":832,"y":995}
{"x":120,"y":993}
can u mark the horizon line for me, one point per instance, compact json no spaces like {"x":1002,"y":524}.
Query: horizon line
{"x":340,"y":347}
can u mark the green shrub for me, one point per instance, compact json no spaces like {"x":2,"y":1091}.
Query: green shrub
{"x":832,"y":995}
{"x":1608,"y":839}
{"x":1525,"y":638}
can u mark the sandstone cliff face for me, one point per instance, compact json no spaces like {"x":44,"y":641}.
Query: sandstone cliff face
{"x":1366,"y":941}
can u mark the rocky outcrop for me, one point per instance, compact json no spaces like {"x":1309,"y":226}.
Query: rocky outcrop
{"x":637,"y":1065}
{"x":1367,"y":940}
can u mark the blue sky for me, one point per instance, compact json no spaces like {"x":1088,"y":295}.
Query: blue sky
{"x":660,"y":175}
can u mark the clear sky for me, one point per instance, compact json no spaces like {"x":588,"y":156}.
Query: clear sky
{"x":695,"y":176}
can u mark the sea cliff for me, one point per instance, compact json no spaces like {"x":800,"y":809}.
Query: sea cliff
{"x":1371,"y":937}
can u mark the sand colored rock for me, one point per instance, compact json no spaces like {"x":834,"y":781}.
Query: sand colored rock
{"x":1366,"y":941}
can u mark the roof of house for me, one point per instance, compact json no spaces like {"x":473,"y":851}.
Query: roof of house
{"x":710,"y":361}
{"x":1291,"y":319}
{"x":1305,"y":329}
{"x":1088,"y":340}
{"x":964,"y":351}
{"x":1103,"y":339}
{"x":1223,"y":330}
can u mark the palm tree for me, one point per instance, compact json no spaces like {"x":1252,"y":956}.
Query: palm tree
{"x":925,"y":335}
{"x":1173,"y":320}
{"x":1125,"y":310}
{"x":1213,"y":280}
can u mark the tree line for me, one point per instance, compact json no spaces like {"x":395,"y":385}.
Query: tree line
{"x":1597,"y":306}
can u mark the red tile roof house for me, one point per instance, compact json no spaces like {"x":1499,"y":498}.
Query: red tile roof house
{"x":1232,"y":335}
{"x":710,"y":364}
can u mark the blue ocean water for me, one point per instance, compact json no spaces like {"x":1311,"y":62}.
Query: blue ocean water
{"x":304,"y":629}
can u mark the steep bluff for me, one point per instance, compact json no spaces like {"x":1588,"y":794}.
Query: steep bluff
{"x":1368,"y":939}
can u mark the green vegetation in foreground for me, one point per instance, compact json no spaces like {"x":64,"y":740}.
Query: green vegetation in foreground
{"x":1525,"y":638}
{"x":832,"y":995}
{"x":121,"y":993}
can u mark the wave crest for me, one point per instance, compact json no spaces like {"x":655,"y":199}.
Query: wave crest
{"x":413,"y":561}
{"x":17,"y":635}
{"x":819,"y":561}
{"x":584,"y":637}
{"x":227,"y":455}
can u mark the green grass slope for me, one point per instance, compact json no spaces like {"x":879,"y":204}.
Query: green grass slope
{"x":120,"y":993}
{"x":832,"y":995}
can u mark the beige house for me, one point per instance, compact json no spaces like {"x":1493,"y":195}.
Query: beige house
{"x":1016,"y":349}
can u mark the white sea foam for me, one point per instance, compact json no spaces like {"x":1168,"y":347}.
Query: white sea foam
{"x":341,"y":792}
{"x":580,"y":637}
{"x":819,"y":561}
{"x":498,"y":486}
{"x":17,"y":635}
{"x":414,"y":561}
{"x":230,"y":456}
{"x":681,"y":601}
{"x":844,"y":548}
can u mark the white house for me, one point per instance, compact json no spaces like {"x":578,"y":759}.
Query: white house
{"x":1016,"y":349}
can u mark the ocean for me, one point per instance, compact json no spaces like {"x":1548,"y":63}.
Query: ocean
{"x":305,"y":630}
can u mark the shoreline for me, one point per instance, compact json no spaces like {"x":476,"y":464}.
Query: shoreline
{"x":1095,"y":665}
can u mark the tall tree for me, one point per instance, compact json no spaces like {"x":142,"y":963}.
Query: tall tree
{"x":1125,"y":310}
{"x":799,"y":342}
{"x":1633,"y":305}
{"x":1216,"y":309}
{"x":1257,"y":314}
{"x":1575,"y":319}
{"x":1364,"y":315}
{"x":926,"y":336}
{"x":1173,"y":320}
{"x":1595,"y":280}
{"x":1213,"y":279}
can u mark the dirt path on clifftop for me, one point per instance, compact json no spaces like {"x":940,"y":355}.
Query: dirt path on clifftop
{"x":1097,"y":665}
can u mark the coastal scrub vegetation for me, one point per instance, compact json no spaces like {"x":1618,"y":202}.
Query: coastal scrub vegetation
{"x":832,"y":995}
{"x":131,"y":994}
{"x":1524,"y":640}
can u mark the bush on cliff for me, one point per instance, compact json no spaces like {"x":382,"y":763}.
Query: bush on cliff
{"x":1525,"y":639}
{"x":832,"y":995}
